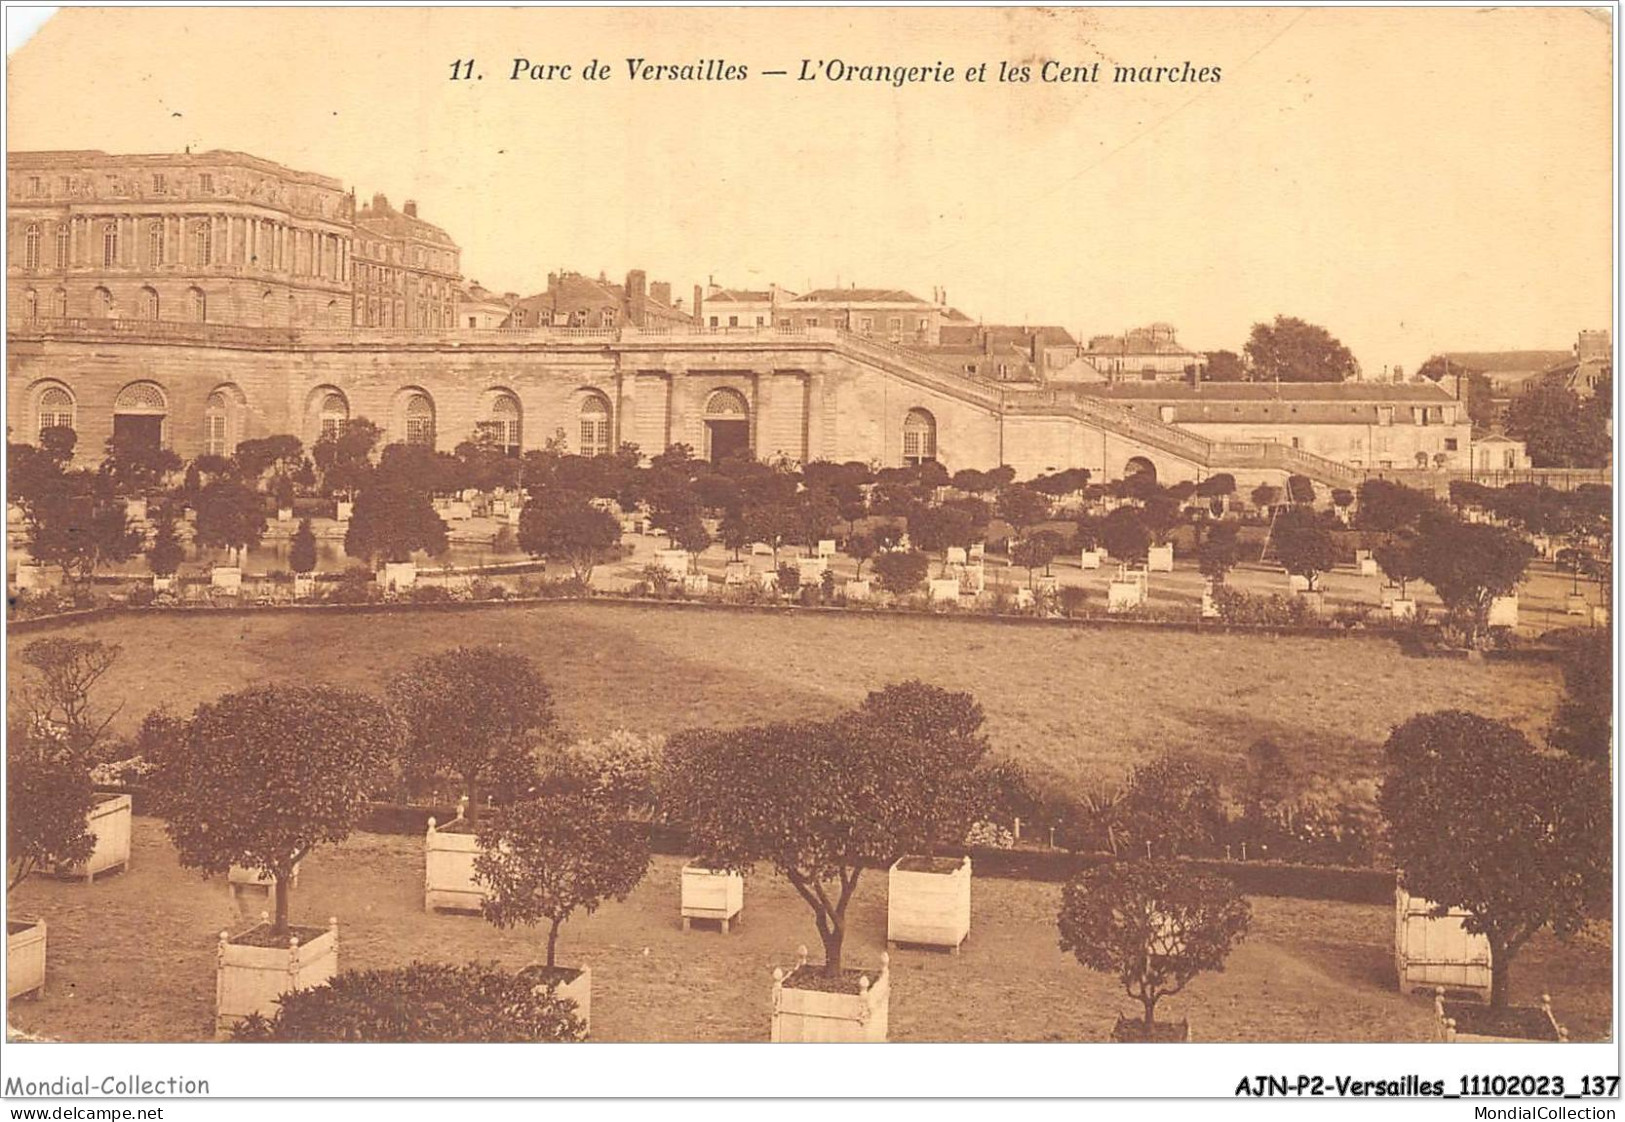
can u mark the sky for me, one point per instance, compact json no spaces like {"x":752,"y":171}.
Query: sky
{"x":1412,"y":180}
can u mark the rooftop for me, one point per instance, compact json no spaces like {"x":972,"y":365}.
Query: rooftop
{"x":1420,"y":392}
{"x":859,"y":295}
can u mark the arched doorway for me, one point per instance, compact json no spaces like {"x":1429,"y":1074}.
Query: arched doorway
{"x":727,"y":426}
{"x":1141,"y":470}
{"x":138,"y":415}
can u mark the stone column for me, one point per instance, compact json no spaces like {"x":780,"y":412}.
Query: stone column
{"x":626,"y":412}
{"x":813,"y":412}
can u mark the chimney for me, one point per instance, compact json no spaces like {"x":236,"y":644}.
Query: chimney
{"x":660,"y":292}
{"x":699,"y":304}
{"x":410,"y":208}
{"x":380,"y":203}
{"x":637,"y":296}
{"x":552,"y":282}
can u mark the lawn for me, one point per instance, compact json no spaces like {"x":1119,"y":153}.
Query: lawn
{"x":132,"y":958}
{"x":1076,"y":704}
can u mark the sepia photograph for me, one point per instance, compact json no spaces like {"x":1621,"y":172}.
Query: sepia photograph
{"x":716,"y":526}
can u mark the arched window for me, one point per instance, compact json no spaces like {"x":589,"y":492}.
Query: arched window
{"x":54,"y":409}
{"x":197,"y":305}
{"x":419,"y":419}
{"x":31,"y":305}
{"x":155,"y":243}
{"x":595,"y":425}
{"x":101,"y":304}
{"x":109,"y":245}
{"x":149,"y":303}
{"x":501,"y":428}
{"x":221,"y":418}
{"x":203,"y":242}
{"x":64,"y":247}
{"x":919,"y":438}
{"x":59,"y":303}
{"x":333,"y":414}
{"x":31,"y":248}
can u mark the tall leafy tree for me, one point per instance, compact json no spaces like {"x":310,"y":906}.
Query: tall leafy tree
{"x":1155,"y":924}
{"x":344,"y":456}
{"x":1291,"y":350}
{"x":1558,"y":428}
{"x":1470,"y":565}
{"x":477,"y":713}
{"x":1483,"y":822}
{"x":134,"y":467}
{"x":77,"y":523}
{"x":1225,"y":366}
{"x":58,"y":689}
{"x":821,"y":800}
{"x":1584,"y":725}
{"x":260,"y":777}
{"x":1124,"y":534}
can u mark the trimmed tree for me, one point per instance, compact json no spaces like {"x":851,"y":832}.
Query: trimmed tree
{"x":820,"y":801}
{"x":1400,"y":560}
{"x":1482,"y":822}
{"x":902,"y":571}
{"x":165,"y":553}
{"x":1155,"y":924}
{"x":230,"y":515}
{"x":1170,"y":807}
{"x":260,"y":777}
{"x":1470,"y":565}
{"x":1124,"y":534}
{"x":425,"y":1002}
{"x":392,"y":520}
{"x":302,"y":549}
{"x":1304,"y":547}
{"x":861,"y":547}
{"x":566,"y":527}
{"x":1219,"y":552}
{"x":477,"y":713}
{"x":57,"y":694}
{"x":570,"y":848}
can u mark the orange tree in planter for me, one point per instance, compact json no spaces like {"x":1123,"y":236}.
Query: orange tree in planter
{"x":1153,"y":923}
{"x":48,"y":796}
{"x":820,"y":800}
{"x":260,"y":777}
{"x":573,"y":844}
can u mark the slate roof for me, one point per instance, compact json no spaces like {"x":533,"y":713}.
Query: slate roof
{"x":858,"y":295}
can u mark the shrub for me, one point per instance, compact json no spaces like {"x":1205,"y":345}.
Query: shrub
{"x":901,"y":572}
{"x":420,"y":1003}
{"x":1074,"y":600}
{"x":1276,"y":610}
{"x":789,"y":578}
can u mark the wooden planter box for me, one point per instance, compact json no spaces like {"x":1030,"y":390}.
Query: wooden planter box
{"x":1124,"y":595}
{"x":944,"y":590}
{"x":30,"y":577}
{"x":1160,"y":559}
{"x":1091,"y":558}
{"x":25,"y":956}
{"x":249,"y":978}
{"x":162,"y":584}
{"x":573,"y":982}
{"x":711,"y":894}
{"x":1457,"y":1023}
{"x":284,"y":514}
{"x":109,"y":823}
{"x":227,"y":578}
{"x":856,"y":590}
{"x":928,"y":902}
{"x":304,"y":586}
{"x":674,"y":561}
{"x":1432,"y":953}
{"x":1402,"y":609}
{"x":342,"y":510}
{"x":241,"y":877}
{"x":814,"y":1016}
{"x":398,"y":574}
{"x":1503,"y":611}
{"x":448,"y":868}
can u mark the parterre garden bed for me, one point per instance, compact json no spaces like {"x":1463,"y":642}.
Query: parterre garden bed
{"x":1073,"y":705}
{"x":133,"y":959}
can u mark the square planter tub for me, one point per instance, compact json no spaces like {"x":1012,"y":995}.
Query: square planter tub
{"x":928,"y":902}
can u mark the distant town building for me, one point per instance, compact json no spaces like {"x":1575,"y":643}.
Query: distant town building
{"x":1494,"y":452}
{"x":723,"y":309}
{"x":481,"y":309}
{"x":1591,"y":363}
{"x":1359,"y":424}
{"x":884,"y":313}
{"x":1143,"y":354}
{"x":576,"y":300}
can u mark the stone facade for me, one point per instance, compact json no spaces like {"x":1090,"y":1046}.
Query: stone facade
{"x":221,"y":237}
{"x":407,"y":270}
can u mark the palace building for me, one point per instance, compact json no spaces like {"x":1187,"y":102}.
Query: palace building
{"x":196,"y":301}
